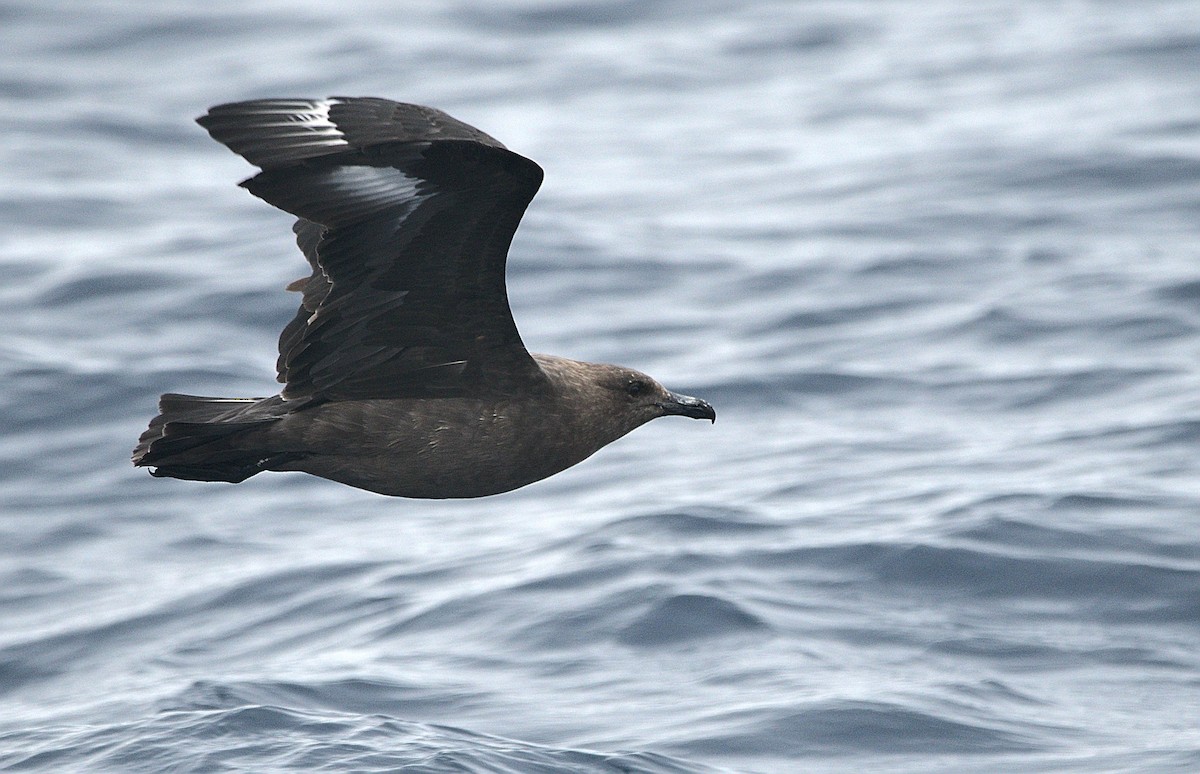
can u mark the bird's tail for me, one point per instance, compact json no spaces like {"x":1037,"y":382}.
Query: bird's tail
{"x":208,"y":439}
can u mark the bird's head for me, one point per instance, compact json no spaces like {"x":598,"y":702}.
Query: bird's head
{"x":637,"y":393}
{"x":631,"y":398}
{"x":604,"y":402}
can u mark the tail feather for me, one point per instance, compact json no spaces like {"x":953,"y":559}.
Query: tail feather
{"x":203,"y":439}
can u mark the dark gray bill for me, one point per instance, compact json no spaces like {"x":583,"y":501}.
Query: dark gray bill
{"x":687,"y":406}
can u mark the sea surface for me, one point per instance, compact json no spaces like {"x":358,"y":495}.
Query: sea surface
{"x":936,"y":264}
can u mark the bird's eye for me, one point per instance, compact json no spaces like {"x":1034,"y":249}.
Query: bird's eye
{"x":635,"y":386}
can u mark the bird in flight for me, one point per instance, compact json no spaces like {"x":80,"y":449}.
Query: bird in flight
{"x":403,"y":370}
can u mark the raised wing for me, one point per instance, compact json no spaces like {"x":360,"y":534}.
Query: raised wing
{"x":406,"y":216}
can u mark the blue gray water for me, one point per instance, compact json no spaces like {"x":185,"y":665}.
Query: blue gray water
{"x":936,"y":264}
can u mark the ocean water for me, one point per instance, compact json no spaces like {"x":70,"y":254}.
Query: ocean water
{"x":937,"y":265}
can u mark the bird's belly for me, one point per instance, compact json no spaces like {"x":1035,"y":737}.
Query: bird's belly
{"x":458,"y":452}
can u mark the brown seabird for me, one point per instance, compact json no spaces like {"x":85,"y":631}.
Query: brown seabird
{"x":403,"y":370}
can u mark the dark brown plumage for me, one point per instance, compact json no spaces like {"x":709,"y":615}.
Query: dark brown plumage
{"x":403,"y":370}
